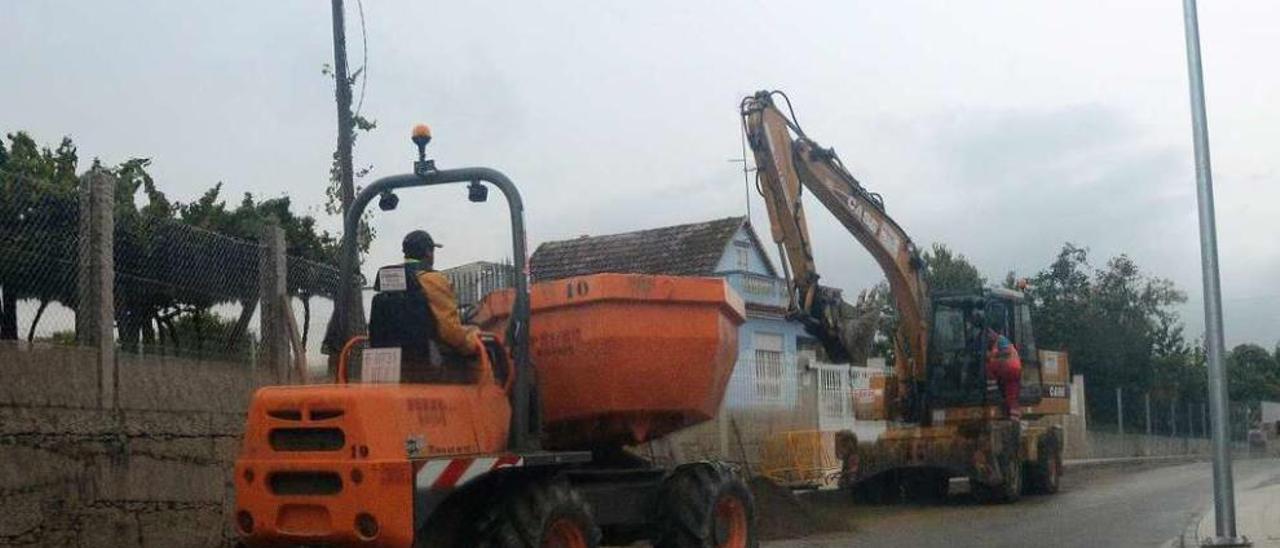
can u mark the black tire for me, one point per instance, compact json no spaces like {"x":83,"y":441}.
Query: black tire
{"x":706,"y":504}
{"x":1045,"y":474}
{"x":1009,"y":490}
{"x":926,"y":486}
{"x":534,"y":513}
{"x":883,"y":488}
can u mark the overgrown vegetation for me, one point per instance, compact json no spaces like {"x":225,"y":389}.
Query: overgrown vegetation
{"x":175,"y":261}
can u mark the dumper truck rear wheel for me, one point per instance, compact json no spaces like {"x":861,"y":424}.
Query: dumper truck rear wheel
{"x":706,"y":505}
{"x":546,"y":514}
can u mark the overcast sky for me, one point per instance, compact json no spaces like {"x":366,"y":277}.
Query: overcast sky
{"x":1000,"y":128}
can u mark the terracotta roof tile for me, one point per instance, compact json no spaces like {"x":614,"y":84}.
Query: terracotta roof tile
{"x":682,"y":250}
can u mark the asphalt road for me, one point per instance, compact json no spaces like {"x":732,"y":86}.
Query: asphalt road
{"x":1113,"y":506}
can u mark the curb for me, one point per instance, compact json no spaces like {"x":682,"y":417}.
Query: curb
{"x":1084,"y":464}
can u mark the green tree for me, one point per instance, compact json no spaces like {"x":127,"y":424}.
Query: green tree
{"x":38,"y":225}
{"x":174,"y":261}
{"x":946,"y":270}
{"x":310,"y":249}
{"x":1252,"y":374}
{"x":1116,"y":322}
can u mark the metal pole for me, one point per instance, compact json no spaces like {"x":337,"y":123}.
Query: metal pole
{"x":1223,"y":491}
{"x":1147,"y":397}
{"x":1119,"y":411}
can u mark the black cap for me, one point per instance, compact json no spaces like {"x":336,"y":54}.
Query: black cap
{"x":418,"y":244}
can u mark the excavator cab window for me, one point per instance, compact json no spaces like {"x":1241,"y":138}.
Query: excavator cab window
{"x":1032,"y":378}
{"x":955,"y":373}
{"x":957,"y":348}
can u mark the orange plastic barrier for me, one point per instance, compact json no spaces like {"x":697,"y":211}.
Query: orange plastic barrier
{"x":625,"y":358}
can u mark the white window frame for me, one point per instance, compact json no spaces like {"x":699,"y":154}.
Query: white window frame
{"x":769,"y":367}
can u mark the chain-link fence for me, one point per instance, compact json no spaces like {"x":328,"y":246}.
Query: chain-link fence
{"x":183,"y":291}
{"x":307,"y":281}
{"x":179,"y":290}
{"x":39,"y":227}
{"x":1129,"y":411}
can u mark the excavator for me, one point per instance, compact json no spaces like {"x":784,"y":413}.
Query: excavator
{"x":944,"y":417}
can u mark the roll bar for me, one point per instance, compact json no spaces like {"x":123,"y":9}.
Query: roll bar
{"x":526,"y":417}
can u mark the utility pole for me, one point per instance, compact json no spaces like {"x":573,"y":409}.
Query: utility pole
{"x":349,"y":311}
{"x":1224,"y":498}
{"x":342,"y":82}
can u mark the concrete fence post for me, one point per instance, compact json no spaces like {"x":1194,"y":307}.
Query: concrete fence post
{"x":1191,"y":423}
{"x":272,"y":290}
{"x":1204,"y":419}
{"x":1119,"y":410}
{"x":95,"y":282}
{"x":1147,"y":397}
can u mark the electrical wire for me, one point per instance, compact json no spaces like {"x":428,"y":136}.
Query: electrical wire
{"x":746,"y":180}
{"x":364,"y":62}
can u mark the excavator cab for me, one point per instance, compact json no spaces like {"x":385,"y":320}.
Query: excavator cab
{"x":957,"y":365}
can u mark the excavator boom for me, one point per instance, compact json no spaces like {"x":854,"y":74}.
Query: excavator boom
{"x":786,"y":161}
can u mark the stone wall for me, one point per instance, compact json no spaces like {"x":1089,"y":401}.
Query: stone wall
{"x":1102,"y":445}
{"x":149,"y":467}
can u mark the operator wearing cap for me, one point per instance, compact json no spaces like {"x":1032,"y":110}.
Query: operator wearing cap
{"x":420,"y":250}
{"x":420,"y":315}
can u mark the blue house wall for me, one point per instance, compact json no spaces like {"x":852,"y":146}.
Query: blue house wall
{"x":753,"y":276}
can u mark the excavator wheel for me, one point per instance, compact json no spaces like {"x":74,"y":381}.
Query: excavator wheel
{"x":706,"y":504}
{"x":926,"y":486}
{"x":1010,"y":490}
{"x":883,"y":488}
{"x":1045,"y":474}
{"x":543,"y":514}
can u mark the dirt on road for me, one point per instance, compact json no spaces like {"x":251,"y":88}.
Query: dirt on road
{"x":781,"y":514}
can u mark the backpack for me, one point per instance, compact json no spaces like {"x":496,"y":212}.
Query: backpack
{"x":400,"y":316}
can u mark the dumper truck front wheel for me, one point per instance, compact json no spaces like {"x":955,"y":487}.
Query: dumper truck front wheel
{"x":548,"y":514}
{"x":706,"y":505}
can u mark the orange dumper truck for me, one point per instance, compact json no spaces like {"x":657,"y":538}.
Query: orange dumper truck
{"x":530,"y":451}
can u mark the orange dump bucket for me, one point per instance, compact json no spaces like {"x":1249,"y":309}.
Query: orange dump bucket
{"x":625,"y":358}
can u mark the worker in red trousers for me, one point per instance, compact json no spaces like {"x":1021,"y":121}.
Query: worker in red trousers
{"x":1005,"y":367}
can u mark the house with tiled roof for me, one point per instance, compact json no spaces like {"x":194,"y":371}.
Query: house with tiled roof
{"x":694,"y":249}
{"x":770,"y":390}
{"x":727,"y":248}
